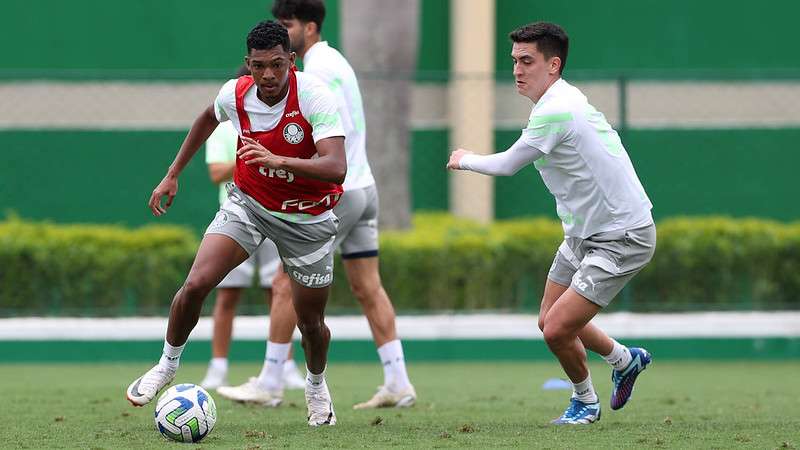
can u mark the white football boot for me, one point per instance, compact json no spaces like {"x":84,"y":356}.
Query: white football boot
{"x":387,"y":398}
{"x":320,"y":405}
{"x":252,"y":392}
{"x":214,"y":378}
{"x":145,"y":388}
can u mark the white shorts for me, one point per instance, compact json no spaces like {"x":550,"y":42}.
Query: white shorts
{"x":306,"y":250}
{"x":599,"y":266}
{"x":357,"y":236}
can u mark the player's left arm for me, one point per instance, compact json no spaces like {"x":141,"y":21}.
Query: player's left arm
{"x":331,"y":165}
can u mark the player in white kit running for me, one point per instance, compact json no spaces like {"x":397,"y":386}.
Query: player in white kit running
{"x":609,"y":234}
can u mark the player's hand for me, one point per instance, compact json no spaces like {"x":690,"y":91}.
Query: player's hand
{"x":252,"y":152}
{"x":168,"y":187}
{"x":455,"y":158}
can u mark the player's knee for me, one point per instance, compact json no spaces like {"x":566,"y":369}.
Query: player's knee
{"x":555,"y":334}
{"x":281,"y":284}
{"x":197,"y":286}
{"x":313,"y":328}
{"x":366,"y":291}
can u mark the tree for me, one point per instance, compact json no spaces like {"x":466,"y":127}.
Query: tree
{"x":379,"y":39}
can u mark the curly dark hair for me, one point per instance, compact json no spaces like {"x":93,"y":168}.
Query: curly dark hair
{"x":550,"y":39}
{"x":266,"y":35}
{"x":302,"y":10}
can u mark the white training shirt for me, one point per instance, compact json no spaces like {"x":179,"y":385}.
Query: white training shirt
{"x":332,"y":68}
{"x":317,"y":105}
{"x":582,"y":162}
{"x":221,"y":148}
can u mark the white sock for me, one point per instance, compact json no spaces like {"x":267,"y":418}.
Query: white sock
{"x":584,"y":391}
{"x":395,"y":377}
{"x":313,"y":379}
{"x":171,"y":356}
{"x":219,"y":365}
{"x":619,"y":357}
{"x":271,"y":376}
{"x":289,"y":366}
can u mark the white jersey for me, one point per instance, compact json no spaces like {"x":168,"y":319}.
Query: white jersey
{"x":317,"y":105}
{"x":584,"y":166}
{"x":332,"y":68}
{"x":221,"y":148}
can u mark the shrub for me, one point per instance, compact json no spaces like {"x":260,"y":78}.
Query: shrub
{"x":442,"y":263}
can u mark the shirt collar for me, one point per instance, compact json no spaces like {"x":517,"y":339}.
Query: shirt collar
{"x":559,"y":83}
{"x":314,"y":49}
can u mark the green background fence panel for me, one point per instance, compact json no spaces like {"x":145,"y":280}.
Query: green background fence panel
{"x":100,"y":176}
{"x":106,"y":176}
{"x":650,"y":34}
{"x":171,"y":35}
{"x":429,"y":185}
{"x":415,"y":350}
{"x":433,"y":57}
{"x":748,"y":172}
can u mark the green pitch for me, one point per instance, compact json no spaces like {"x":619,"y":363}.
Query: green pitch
{"x":676,"y":405}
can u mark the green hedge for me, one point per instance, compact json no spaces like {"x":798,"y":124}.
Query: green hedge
{"x":48,"y":269}
{"x":701,"y":263}
{"x":443,"y":263}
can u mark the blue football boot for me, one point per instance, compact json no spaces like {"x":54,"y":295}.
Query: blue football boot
{"x":579,"y":413}
{"x":623,"y":379}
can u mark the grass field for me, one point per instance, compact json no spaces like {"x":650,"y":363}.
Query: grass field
{"x":677,"y":405}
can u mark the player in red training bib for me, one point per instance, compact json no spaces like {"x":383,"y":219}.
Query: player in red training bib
{"x":289,"y":169}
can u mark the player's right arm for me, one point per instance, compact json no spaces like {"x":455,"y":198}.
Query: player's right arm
{"x":504,"y":163}
{"x":547,"y":127}
{"x":201,"y":129}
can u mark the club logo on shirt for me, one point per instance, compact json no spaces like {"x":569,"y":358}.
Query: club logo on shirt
{"x":293,"y":133}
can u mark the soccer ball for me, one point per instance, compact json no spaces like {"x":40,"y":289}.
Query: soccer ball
{"x":185,"y":413}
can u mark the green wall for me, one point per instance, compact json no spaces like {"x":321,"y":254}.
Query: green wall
{"x":107,"y":176}
{"x":415,"y":349}
{"x":672,"y":36}
{"x":161,"y":38}
{"x":748,"y":172}
{"x":433,"y":57}
{"x":165,"y":39}
{"x":429,"y":180}
{"x":736,"y":172}
{"x":100,"y":176}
